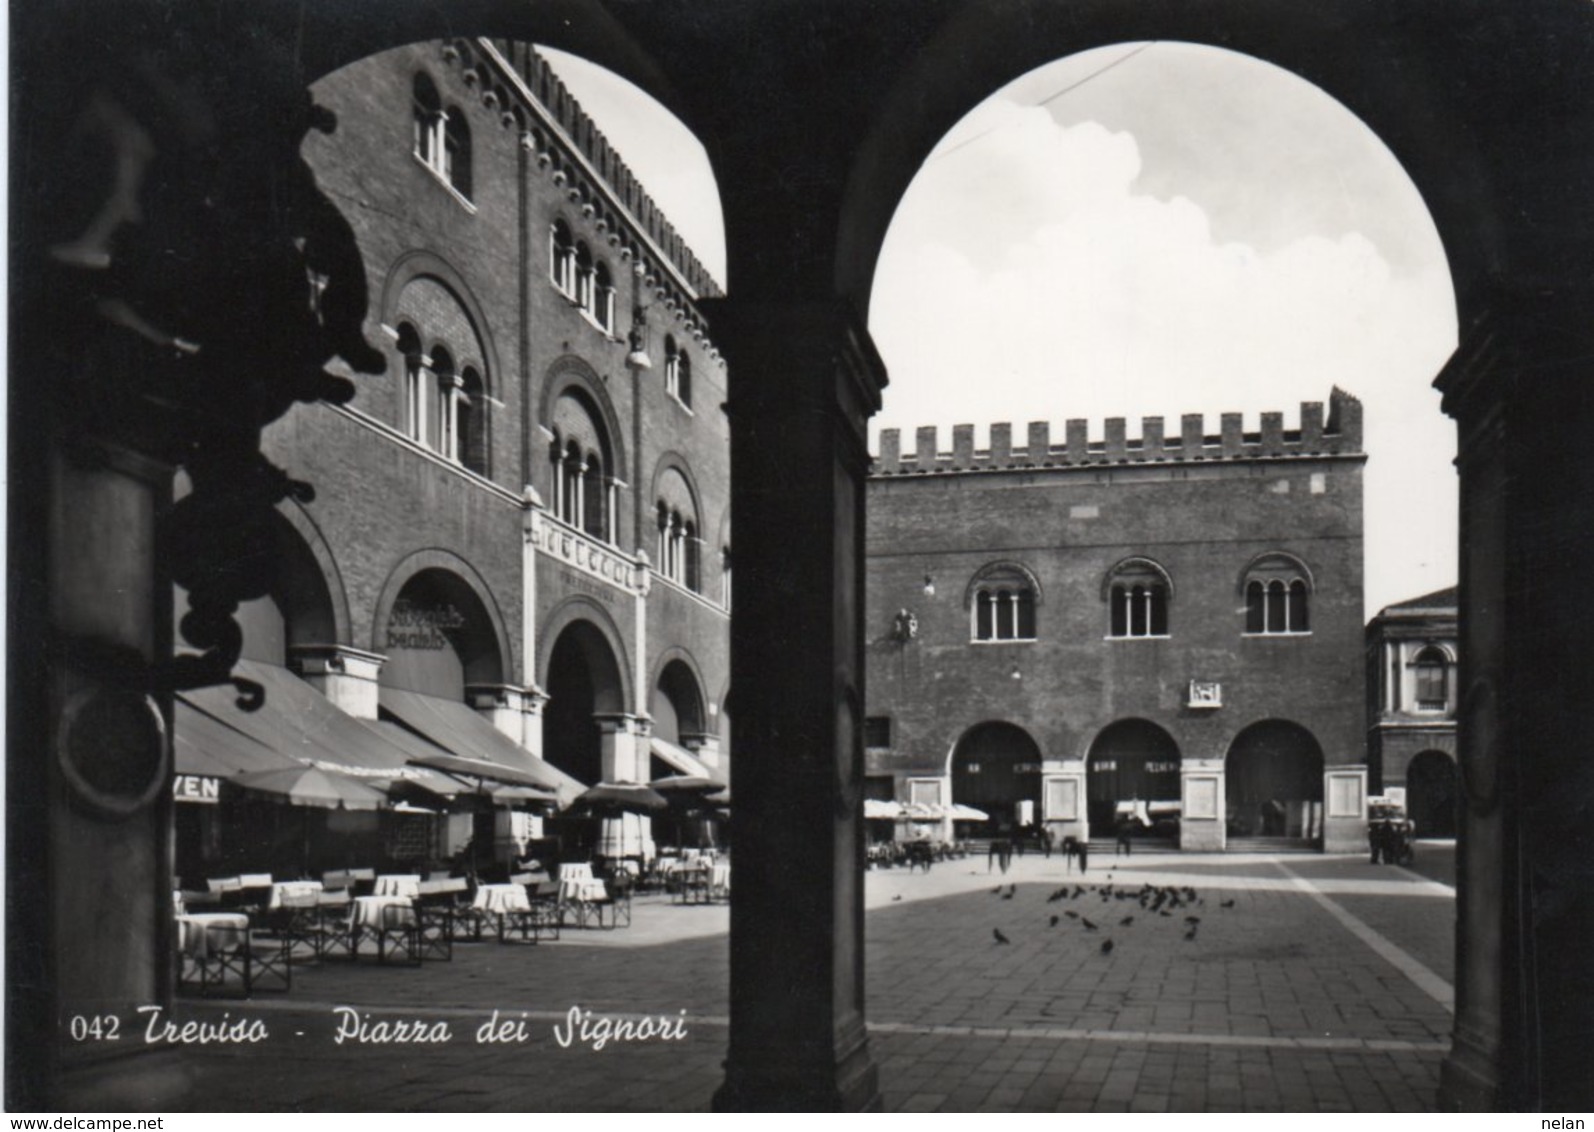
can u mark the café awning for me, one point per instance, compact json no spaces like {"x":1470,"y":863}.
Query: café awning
{"x":295,"y":725}
{"x":463,"y":734}
{"x":682,"y":761}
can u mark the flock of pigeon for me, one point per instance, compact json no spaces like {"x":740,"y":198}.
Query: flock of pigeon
{"x":1161,"y":901}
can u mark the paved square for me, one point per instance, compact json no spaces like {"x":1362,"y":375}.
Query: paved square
{"x":1290,"y":982}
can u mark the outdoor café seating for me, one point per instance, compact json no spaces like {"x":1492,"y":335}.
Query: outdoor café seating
{"x":436,"y":911}
{"x":391,"y":921}
{"x":220,"y":952}
{"x":580,"y":893}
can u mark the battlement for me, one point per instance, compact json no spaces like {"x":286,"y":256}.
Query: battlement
{"x":1340,"y":434}
{"x":575,"y":130}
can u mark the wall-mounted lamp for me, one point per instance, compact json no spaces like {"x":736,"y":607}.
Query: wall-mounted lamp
{"x":929,"y":586}
{"x":638,"y":358}
{"x":1016,"y":674}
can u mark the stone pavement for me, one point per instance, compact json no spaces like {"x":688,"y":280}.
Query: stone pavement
{"x":1323,"y":987}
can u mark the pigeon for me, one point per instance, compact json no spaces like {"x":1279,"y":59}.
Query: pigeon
{"x":898,"y":896}
{"x":1191,"y":933}
{"x":1226,"y":904}
{"x":1089,"y":927}
{"x":1056,"y":896}
{"x":1012,"y":888}
{"x":999,"y":937}
{"x":1071,"y":914}
{"x":1164,"y":912}
{"x":997,"y":891}
{"x":1192,"y":919}
{"x":1054,"y":920}
{"x":1106,"y":946}
{"x":1126,"y":921}
{"x":1007,"y":896}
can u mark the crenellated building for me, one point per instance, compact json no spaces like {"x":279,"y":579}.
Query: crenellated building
{"x":518,"y":551}
{"x":1168,"y":627}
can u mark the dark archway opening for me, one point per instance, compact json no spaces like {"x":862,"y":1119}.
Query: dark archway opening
{"x":583,"y":681}
{"x":1275,"y":782}
{"x":997,"y":768}
{"x":1433,"y":794}
{"x":1132,"y":765}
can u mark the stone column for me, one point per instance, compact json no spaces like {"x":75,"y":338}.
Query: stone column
{"x":502,"y":705}
{"x":97,"y":873}
{"x":804,"y":380}
{"x":533,"y":700}
{"x":1518,"y":389}
{"x":618,"y":734}
{"x":1345,"y":808}
{"x":1202,"y":820}
{"x":1063,"y":800}
{"x":347,"y":676}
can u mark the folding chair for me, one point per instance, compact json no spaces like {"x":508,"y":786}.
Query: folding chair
{"x":546,"y":913}
{"x":268,"y":962}
{"x":435,"y":913}
{"x":334,"y":925}
{"x":615,"y":903}
{"x":398,"y":936}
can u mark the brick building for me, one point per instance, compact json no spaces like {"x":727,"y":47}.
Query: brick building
{"x":518,"y":550}
{"x":1168,"y":626}
{"x":1412,"y":673}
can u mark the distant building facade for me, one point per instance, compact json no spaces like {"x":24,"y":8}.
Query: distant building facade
{"x":1411,"y":709}
{"x":518,"y":549}
{"x":1167,"y":626}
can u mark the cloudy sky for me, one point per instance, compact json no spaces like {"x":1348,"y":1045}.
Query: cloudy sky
{"x":1150,"y":229}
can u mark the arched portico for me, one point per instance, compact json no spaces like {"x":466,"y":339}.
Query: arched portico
{"x":1433,"y":793}
{"x":1274,"y":779}
{"x":996,"y":767}
{"x":1447,"y":92}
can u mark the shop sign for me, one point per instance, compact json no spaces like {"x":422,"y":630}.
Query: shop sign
{"x":200,"y":788}
{"x":414,"y":626}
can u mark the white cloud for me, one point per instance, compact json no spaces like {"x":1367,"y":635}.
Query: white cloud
{"x":1024,"y":278}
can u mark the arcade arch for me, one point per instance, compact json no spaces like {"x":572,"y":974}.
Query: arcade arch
{"x":996,"y":767}
{"x":583,"y":684}
{"x":1433,"y":794}
{"x":1274,"y":781}
{"x":1132,"y":761}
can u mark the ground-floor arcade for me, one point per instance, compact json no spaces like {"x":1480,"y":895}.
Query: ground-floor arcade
{"x":1269,"y":780}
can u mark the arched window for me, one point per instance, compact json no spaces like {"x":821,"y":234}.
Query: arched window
{"x":593,"y":509}
{"x":470,"y":422}
{"x":584,"y":467}
{"x":1277,"y":590}
{"x":409,"y":345}
{"x":725,"y":577}
{"x":1433,"y":679}
{"x":441,"y":431}
{"x":562,"y":258}
{"x":672,"y":366}
{"x":1137,"y":594}
{"x":603,"y":297}
{"x":583,"y":295}
{"x":456,"y":152}
{"x":683,"y":378}
{"x":427,"y":113}
{"x":1002,"y":604}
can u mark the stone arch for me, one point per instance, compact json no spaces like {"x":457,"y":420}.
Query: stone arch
{"x":1272,"y":560}
{"x":1273,"y":775}
{"x":1004,"y":565}
{"x":1135,"y":563}
{"x":584,"y":681}
{"x":678,"y":681}
{"x":576,"y":608}
{"x":570,"y":373}
{"x":493,"y":670}
{"x":994,"y":766}
{"x":420,"y":264}
{"x":674,"y":461}
{"x":1433,"y":793}
{"x":1130,"y":760}
{"x":298,"y":517}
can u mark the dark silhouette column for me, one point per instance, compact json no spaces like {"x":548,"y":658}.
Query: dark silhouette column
{"x":1518,"y":388}
{"x":804,"y":379}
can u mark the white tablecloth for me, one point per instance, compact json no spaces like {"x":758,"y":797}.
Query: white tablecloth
{"x":372,"y":911}
{"x":195,"y":931}
{"x":399,"y":884}
{"x":300,"y":893}
{"x":578,"y":890}
{"x":501,"y":898}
